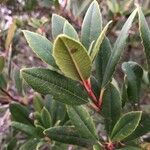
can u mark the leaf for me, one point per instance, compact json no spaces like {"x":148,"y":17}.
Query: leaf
{"x":57,"y":110}
{"x":83,"y":122}
{"x":2,"y":63}
{"x":129,"y":148}
{"x":57,"y":25}
{"x":126,"y":125}
{"x":46,"y":81}
{"x":46,"y":118}
{"x":70,"y":31}
{"x":102,"y":60}
{"x":30,"y":144}
{"x":92,"y":24}
{"x":3,"y":81}
{"x":38,"y":102}
{"x":145,"y":35}
{"x":18,"y":81}
{"x":30,"y":130}
{"x":111,"y":107}
{"x":72,"y":58}
{"x":20,"y":113}
{"x":142,"y":129}
{"x":10,"y":34}
{"x":95,"y":86}
{"x":41,"y":46}
{"x":99,"y":42}
{"x":134,"y":74}
{"x":118,"y":49}
{"x":68,"y":135}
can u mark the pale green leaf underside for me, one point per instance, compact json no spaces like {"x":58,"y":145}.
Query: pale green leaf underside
{"x":72,"y":58}
{"x":92,"y":24}
{"x":46,"y":81}
{"x":126,"y":125}
{"x":118,"y":49}
{"x":41,"y":46}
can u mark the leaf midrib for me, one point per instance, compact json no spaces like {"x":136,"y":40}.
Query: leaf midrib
{"x":74,"y":61}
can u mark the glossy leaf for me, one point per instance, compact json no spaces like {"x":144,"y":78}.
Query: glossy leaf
{"x":102,"y":60}
{"x":92,"y":24}
{"x":83,"y":122}
{"x":99,"y":41}
{"x":20,"y":113}
{"x":2,"y":63}
{"x":46,"y":118}
{"x":72,"y":58}
{"x":145,"y":35}
{"x":68,"y":135}
{"x":46,"y":81}
{"x":30,"y":130}
{"x":41,"y":46}
{"x":111,"y":107}
{"x":126,"y":125}
{"x":118,"y":49}
{"x":134,"y":74}
{"x":142,"y":129}
{"x":57,"y":25}
{"x":70,"y":31}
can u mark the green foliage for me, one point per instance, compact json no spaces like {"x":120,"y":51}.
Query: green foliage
{"x":79,"y":100}
{"x":82,"y":121}
{"x":60,"y":87}
{"x":125,"y":125}
{"x":92,"y":24}
{"x":2,"y":63}
{"x":75,"y":62}
{"x":117,"y":49}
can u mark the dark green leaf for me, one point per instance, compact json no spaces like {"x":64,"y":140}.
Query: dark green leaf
{"x":118,"y":49}
{"x":41,"y":46}
{"x":57,"y":25}
{"x":126,"y":125}
{"x":38,"y":102}
{"x":83,"y":122}
{"x":30,"y":144}
{"x":30,"y":130}
{"x":68,"y":135}
{"x":57,"y":110}
{"x":72,"y":58}
{"x":134,"y":74}
{"x":111,"y":107}
{"x":129,"y":148}
{"x":102,"y":60}
{"x":142,"y":128}
{"x":46,"y":81}
{"x":92,"y":24}
{"x":46,"y":118}
{"x":18,"y":81}
{"x":20,"y":113}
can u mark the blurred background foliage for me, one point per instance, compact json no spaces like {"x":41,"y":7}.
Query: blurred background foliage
{"x":35,"y":15}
